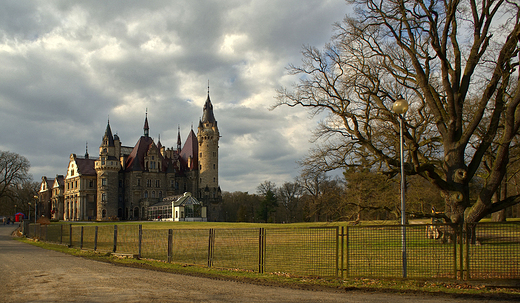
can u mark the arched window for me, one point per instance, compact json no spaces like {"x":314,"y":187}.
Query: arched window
{"x":146,"y":194}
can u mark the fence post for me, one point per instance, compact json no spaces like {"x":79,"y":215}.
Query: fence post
{"x":115,"y":238}
{"x":170,"y":245}
{"x":81,"y":239}
{"x":70,"y":235}
{"x":461,"y":252}
{"x":261,"y":249}
{"x":347,"y":260}
{"x":468,"y":237}
{"x":211,"y":243}
{"x":95,"y":237}
{"x":337,"y":252}
{"x":140,"y":240}
{"x":342,"y":251}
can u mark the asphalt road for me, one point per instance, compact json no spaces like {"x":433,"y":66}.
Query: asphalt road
{"x":32,"y":274}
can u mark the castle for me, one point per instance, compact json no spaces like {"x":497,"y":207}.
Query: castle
{"x":124,"y":181}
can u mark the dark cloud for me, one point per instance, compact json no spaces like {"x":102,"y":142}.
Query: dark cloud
{"x":69,"y":66}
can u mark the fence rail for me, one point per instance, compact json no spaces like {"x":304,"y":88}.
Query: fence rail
{"x":433,"y":251}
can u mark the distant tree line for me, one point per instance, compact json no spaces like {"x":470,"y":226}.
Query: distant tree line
{"x":360,"y":194}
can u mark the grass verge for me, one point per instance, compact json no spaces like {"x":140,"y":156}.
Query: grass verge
{"x":425,"y":287}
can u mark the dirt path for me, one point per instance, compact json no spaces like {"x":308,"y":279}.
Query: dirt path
{"x":32,"y":274}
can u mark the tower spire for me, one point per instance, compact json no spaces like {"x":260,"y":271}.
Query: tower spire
{"x":146,"y":128}
{"x":179,"y":143}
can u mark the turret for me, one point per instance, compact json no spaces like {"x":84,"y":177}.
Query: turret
{"x":208,"y":137}
{"x":107,"y":169}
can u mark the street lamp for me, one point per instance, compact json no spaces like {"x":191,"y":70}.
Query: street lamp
{"x":36,"y":198}
{"x":400,"y":107}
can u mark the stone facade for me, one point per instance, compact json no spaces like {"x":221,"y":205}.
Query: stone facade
{"x":124,"y":181}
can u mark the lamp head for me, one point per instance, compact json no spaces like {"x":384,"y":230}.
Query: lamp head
{"x":400,"y":106}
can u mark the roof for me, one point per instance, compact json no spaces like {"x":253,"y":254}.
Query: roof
{"x":135,"y":160}
{"x":108,"y":133}
{"x":187,"y":199}
{"x":86,"y":167}
{"x":178,"y":200}
{"x":207,"y":112}
{"x":59,"y":181}
{"x":191,"y":148}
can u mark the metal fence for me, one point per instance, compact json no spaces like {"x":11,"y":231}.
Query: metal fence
{"x":432,"y":251}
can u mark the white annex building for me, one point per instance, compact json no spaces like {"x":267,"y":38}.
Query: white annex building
{"x":178,"y":208}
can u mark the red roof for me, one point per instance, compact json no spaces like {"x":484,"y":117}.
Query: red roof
{"x":191,"y":148}
{"x":135,"y":160}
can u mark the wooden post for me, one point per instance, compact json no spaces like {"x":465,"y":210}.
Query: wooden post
{"x":81,"y":239}
{"x":170,"y":245}
{"x":95,"y":237}
{"x":115,"y":238}
{"x":140,"y":240}
{"x":70,"y":235}
{"x":261,"y":250}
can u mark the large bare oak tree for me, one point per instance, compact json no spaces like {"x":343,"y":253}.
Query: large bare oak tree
{"x":455,"y":62}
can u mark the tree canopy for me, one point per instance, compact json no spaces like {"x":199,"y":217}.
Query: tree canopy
{"x":454,"y":61}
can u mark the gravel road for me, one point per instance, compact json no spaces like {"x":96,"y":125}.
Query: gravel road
{"x":32,"y":274}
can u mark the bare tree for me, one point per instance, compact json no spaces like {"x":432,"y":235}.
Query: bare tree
{"x":266,"y":187}
{"x":289,"y":195}
{"x":453,"y":61}
{"x":14,"y":172}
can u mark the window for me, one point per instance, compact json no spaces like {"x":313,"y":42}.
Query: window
{"x":149,"y":183}
{"x":172,"y":183}
{"x":91,"y":183}
{"x":214,"y":166}
{"x":146,"y":194}
{"x":153,"y":194}
{"x":157,"y":183}
{"x":160,"y":194}
{"x":103,"y":181}
{"x":104,"y":197}
{"x":138,"y":182}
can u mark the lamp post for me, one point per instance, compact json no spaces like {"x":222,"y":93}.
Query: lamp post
{"x":36,"y":198}
{"x":400,"y":107}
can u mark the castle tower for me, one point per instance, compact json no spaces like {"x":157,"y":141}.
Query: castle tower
{"x":208,"y":137}
{"x":107,"y":170}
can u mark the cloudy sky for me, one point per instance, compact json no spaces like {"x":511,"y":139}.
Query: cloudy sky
{"x":66,"y":67}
